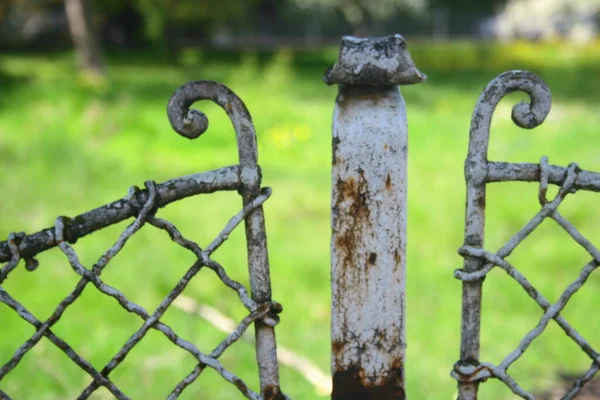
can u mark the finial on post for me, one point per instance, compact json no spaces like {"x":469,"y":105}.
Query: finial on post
{"x":368,"y":246}
{"x":378,"y":62}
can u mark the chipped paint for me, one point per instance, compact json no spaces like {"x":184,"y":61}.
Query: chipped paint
{"x":368,"y":244}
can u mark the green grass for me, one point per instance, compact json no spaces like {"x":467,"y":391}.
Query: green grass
{"x":67,"y":146}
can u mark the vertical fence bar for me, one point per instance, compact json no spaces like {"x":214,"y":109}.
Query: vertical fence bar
{"x":528,"y":116}
{"x":260,"y":283}
{"x":191,"y":124}
{"x":369,"y":217}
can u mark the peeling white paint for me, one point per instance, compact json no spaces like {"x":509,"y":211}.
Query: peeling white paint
{"x":369,"y":223}
{"x":368,"y":248}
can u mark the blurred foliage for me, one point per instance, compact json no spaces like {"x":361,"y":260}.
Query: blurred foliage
{"x":157,"y":14}
{"x":361,"y":13}
{"x":458,"y":6}
{"x":210,"y":16}
{"x":575,"y":20}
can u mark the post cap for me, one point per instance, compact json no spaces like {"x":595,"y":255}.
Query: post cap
{"x":383,"y":61}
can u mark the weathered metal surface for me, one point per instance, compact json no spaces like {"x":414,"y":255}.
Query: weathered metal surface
{"x":526,"y":172}
{"x":227,"y":178}
{"x":192,"y":123}
{"x":469,"y":370}
{"x":475,"y":172}
{"x":245,"y":178}
{"x":380,"y":62}
{"x":369,"y":218}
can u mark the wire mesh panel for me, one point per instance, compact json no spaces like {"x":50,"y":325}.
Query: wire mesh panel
{"x":469,"y":370}
{"x":143,"y":204}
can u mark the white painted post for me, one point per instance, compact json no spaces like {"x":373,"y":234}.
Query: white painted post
{"x":369,"y":217}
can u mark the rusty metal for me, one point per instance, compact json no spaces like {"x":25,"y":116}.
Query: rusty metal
{"x":369,"y":217}
{"x":469,"y":371}
{"x":143,"y":204}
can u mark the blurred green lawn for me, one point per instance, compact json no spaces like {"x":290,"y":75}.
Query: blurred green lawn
{"x":67,"y":146}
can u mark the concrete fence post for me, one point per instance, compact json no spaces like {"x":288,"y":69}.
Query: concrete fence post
{"x":369,"y":217}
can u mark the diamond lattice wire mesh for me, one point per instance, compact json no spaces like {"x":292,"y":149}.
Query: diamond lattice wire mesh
{"x":244,"y":178}
{"x":469,"y":370}
{"x":151,"y":320}
{"x":491,"y":260}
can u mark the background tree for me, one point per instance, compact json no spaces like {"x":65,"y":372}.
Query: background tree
{"x":165,"y":19}
{"x":553,"y":19}
{"x":361,"y":13}
{"x":83,"y":34}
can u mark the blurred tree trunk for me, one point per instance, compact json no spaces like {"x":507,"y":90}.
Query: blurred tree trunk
{"x":83,"y":35}
{"x":359,"y":16}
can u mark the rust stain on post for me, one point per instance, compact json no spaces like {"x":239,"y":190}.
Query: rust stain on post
{"x":348,"y":385}
{"x":388,"y":182}
{"x":369,"y":217}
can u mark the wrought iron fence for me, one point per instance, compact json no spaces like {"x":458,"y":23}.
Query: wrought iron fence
{"x":469,"y":370}
{"x":245,"y":178}
{"x":142,"y":204}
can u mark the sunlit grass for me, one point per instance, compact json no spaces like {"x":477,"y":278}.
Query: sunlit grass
{"x":66,"y":148}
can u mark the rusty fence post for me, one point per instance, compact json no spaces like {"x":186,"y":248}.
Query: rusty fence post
{"x":369,"y":217}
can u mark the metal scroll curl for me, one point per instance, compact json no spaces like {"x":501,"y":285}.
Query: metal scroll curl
{"x":469,"y":371}
{"x":524,"y":115}
{"x":191,"y":123}
{"x":142,"y":204}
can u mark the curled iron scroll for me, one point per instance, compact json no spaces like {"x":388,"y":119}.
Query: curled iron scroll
{"x":191,"y":123}
{"x":525,"y":115}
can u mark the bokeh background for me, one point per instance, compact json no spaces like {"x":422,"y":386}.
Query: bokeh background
{"x":83,"y":93}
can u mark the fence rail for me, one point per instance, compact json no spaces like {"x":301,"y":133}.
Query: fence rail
{"x":478,"y":262}
{"x":143,"y":204}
